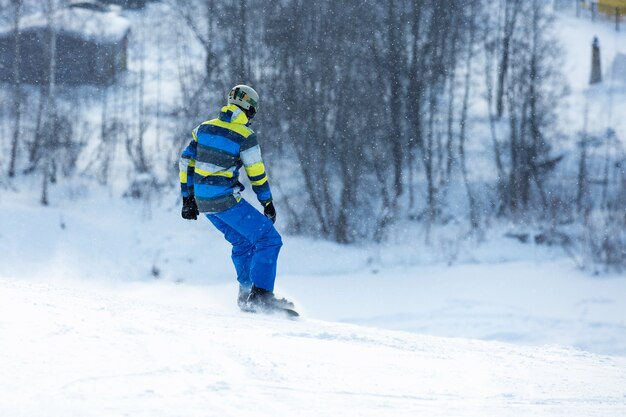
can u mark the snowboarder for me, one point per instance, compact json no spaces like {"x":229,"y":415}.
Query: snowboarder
{"x":209,"y":177}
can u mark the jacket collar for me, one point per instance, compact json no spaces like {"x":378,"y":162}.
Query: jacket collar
{"x":233,"y":114}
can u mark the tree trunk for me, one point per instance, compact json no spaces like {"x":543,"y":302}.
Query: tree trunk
{"x":511,"y":10}
{"x":473,"y":213}
{"x":17,"y":89}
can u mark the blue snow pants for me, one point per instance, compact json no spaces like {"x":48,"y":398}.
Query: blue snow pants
{"x":255,"y":241}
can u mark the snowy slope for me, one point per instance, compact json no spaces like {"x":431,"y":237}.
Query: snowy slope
{"x":500,"y":290}
{"x":602,"y":106}
{"x":155,"y":349}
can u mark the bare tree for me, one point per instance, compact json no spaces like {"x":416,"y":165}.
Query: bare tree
{"x":201,"y":19}
{"x":472,"y":20}
{"x":50,"y":146}
{"x":532,"y":98}
{"x":17,"y":87}
{"x":512,"y":10}
{"x":395,"y":70}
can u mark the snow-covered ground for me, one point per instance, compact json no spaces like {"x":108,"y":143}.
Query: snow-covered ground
{"x":160,"y":349}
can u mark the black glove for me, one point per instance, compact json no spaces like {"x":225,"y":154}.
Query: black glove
{"x":190,"y":208}
{"x":269,"y":211}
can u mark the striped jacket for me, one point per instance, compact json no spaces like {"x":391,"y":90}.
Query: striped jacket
{"x":209,"y":165}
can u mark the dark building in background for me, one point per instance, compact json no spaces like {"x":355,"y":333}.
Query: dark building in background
{"x":91,"y":47}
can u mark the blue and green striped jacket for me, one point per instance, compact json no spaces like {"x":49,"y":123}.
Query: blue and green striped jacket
{"x":209,"y":165}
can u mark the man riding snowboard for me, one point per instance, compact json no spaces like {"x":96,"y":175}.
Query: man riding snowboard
{"x":209,"y":177}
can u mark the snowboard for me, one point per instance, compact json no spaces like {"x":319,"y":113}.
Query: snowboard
{"x":287,"y":312}
{"x":292,"y":314}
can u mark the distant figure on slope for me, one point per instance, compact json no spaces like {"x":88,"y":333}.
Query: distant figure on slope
{"x":209,"y":178}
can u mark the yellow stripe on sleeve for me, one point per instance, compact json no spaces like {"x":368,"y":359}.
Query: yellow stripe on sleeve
{"x":255,"y":170}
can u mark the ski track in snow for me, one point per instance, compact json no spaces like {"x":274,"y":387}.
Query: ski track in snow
{"x":157,"y":349}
